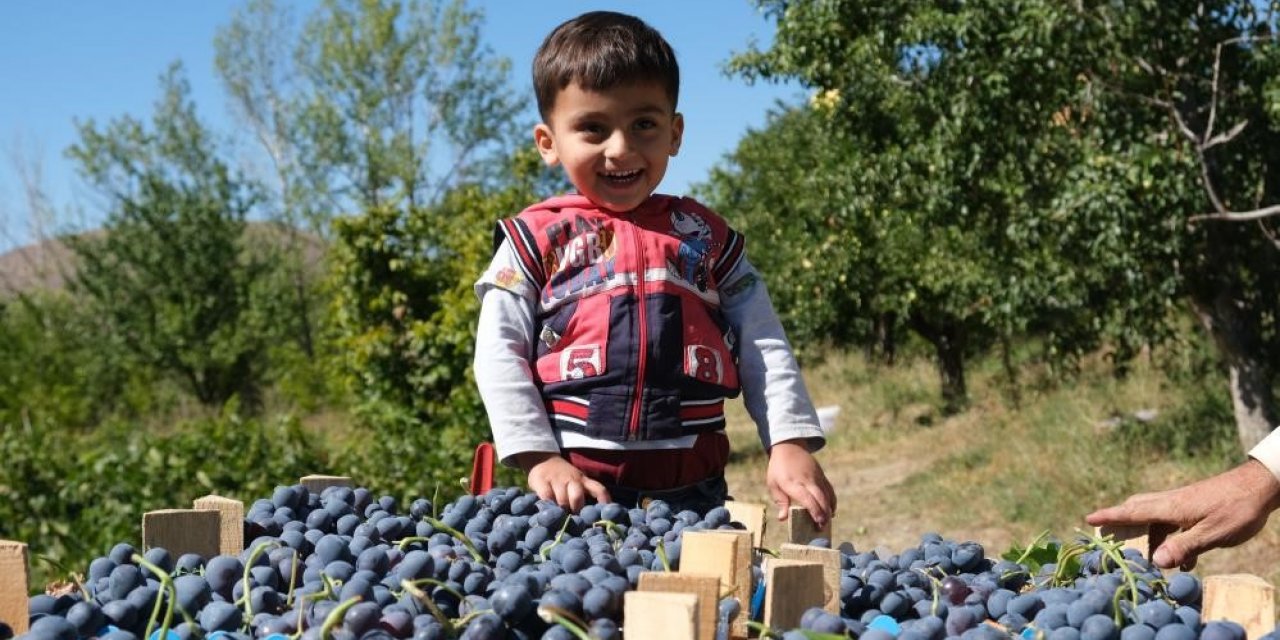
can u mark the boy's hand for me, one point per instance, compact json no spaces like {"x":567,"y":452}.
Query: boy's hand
{"x":553,"y":478}
{"x":795,"y":476}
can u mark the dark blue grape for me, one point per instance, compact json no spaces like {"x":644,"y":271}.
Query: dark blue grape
{"x":123,"y":580}
{"x":1188,"y":616}
{"x":1176,"y":631}
{"x":959,"y":619}
{"x":512,"y":601}
{"x":193,"y":593}
{"x":1184,"y":588}
{"x":1099,"y":627}
{"x":87,"y":618}
{"x":1155,"y":613}
{"x":599,"y":602}
{"x":221,"y":616}
{"x":51,"y":628}
{"x":1137,"y":632}
{"x":1026,"y":605}
{"x":1222,"y":630}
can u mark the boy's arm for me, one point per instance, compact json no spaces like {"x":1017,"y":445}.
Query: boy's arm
{"x":517,"y":417}
{"x":775,"y":396}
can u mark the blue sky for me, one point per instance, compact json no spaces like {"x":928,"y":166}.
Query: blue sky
{"x":62,"y":60}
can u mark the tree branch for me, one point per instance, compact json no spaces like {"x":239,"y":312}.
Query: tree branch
{"x":1238,"y":216}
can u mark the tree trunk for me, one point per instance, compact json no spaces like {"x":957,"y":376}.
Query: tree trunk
{"x":948,"y":340}
{"x":1236,"y":334}
{"x":882,"y":347}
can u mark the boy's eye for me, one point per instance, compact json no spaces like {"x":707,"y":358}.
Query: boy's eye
{"x":592,"y":128}
{"x":645,"y":124}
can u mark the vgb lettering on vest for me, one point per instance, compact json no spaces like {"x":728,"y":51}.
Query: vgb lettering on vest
{"x":586,"y":260}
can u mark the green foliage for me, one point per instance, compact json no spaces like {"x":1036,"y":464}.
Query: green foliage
{"x":58,"y":366}
{"x":998,"y":170}
{"x":405,"y":315}
{"x":170,"y":277}
{"x":71,"y":495}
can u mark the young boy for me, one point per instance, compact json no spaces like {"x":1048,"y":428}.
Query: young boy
{"x":614,"y":322}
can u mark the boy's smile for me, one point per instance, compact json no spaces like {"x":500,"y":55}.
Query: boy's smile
{"x":614,"y":144}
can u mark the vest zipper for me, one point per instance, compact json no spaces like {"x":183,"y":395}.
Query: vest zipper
{"x":633,"y":429}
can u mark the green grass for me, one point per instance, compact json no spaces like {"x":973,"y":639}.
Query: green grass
{"x":1019,"y":460}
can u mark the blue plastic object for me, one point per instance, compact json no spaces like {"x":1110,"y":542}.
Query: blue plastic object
{"x":886,"y":624}
{"x":757,"y":603}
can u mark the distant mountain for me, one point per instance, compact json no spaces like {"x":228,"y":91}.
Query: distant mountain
{"x":36,"y":266}
{"x":48,"y":265}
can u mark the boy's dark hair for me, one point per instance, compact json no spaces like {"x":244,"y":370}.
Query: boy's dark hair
{"x":600,"y":50}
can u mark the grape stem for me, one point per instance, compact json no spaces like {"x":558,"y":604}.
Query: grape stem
{"x":293,"y":579}
{"x":565,"y":619}
{"x":166,"y":584}
{"x":323,"y":594}
{"x":559,"y":536}
{"x":458,"y":535}
{"x":1111,"y":551}
{"x":248,"y":565}
{"x":661,"y":550}
{"x":335,"y":617}
{"x":430,"y":604}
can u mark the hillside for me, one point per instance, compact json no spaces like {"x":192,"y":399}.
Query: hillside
{"x":49,"y":264}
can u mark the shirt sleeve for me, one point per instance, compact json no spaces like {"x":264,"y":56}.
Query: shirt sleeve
{"x":773,"y":390}
{"x":1268,"y":452}
{"x":504,"y":350}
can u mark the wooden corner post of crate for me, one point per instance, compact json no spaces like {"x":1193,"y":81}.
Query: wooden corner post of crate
{"x":14,"y":577}
{"x":1242,"y":598}
{"x":706,"y":587}
{"x":230,"y":522}
{"x":180,"y":531}
{"x":801,"y":528}
{"x":791,"y":587}
{"x":726,"y":555}
{"x":752,"y":516}
{"x":660,"y":614}
{"x":830,"y":561}
{"x":317,"y":483}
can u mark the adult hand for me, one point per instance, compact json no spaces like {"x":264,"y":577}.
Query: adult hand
{"x":554,"y":478}
{"x":1221,"y":511}
{"x":795,"y":476}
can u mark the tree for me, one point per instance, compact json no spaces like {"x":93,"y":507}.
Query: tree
{"x":945,"y":156}
{"x":169,"y":276}
{"x":1195,"y":85}
{"x":1052,"y":154}
{"x":371,"y":103}
{"x":368,"y":106}
{"x":405,"y":311}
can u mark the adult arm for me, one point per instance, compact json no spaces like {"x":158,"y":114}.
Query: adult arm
{"x":1220,"y":511}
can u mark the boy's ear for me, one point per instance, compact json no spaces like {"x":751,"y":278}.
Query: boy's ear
{"x":546,"y":143}
{"x":677,"y":132}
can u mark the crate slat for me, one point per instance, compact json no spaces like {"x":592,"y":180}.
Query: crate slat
{"x":659,"y":614}
{"x":14,"y":585}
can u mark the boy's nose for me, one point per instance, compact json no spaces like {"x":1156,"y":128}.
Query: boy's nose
{"x":617,"y":146}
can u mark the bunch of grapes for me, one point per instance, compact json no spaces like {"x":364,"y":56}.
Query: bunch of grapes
{"x":344,"y":565}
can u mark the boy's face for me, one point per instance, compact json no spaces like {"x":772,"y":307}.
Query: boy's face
{"x":614,"y":144}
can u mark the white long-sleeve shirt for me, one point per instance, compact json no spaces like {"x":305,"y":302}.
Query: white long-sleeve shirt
{"x":773,"y":389}
{"x":1268,"y":452}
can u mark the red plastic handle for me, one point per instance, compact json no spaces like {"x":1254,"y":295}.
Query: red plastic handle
{"x":482,"y":469}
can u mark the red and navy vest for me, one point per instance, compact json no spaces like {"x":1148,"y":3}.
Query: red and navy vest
{"x":631,"y":343}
